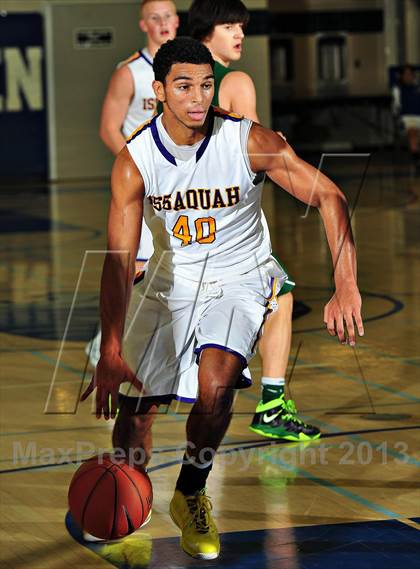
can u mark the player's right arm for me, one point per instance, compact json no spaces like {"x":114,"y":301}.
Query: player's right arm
{"x":124,"y":229}
{"x":115,"y":107}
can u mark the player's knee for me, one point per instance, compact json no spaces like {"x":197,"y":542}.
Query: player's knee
{"x":216,"y":399}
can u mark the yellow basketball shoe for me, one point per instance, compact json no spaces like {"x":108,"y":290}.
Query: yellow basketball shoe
{"x":192,"y":514}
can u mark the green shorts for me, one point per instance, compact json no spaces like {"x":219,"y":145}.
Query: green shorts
{"x":289,"y":284}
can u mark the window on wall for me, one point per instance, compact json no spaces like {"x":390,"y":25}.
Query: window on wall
{"x":332,"y":63}
{"x":282,"y":60}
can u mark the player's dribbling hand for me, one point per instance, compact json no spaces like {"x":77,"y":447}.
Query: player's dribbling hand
{"x":343,"y":312}
{"x":110,"y":372}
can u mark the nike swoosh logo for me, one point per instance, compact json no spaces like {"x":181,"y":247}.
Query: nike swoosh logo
{"x":268,"y":418}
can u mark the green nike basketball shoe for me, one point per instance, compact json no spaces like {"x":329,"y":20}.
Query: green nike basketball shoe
{"x":277,"y":419}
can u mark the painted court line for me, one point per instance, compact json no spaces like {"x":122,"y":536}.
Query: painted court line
{"x":372,"y":384}
{"x":331,"y":370}
{"x":322,"y":482}
{"x":377,"y":508}
{"x":337,"y":489}
{"x":410,"y":523}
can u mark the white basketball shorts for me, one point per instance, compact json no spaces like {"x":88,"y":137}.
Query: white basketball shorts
{"x":171,"y":320}
{"x":146,"y":248}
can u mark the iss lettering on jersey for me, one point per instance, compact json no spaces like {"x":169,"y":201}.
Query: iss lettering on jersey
{"x":143,"y":104}
{"x":198,"y":199}
{"x":149,"y":104}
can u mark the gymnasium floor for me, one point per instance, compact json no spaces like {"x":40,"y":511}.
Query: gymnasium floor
{"x":349,"y":500}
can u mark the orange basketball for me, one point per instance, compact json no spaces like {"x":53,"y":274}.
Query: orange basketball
{"x":108,"y":498}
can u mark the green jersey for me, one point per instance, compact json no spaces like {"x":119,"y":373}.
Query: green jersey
{"x":220,"y":71}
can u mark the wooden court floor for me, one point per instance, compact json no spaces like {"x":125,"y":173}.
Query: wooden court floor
{"x":349,"y":500}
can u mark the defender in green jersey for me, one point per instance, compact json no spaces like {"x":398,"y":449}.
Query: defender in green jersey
{"x":219,"y":25}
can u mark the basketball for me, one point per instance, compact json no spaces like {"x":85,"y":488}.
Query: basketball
{"x":108,"y":498}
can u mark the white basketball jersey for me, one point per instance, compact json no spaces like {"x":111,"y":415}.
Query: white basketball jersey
{"x":206,"y":210}
{"x":143,"y":104}
{"x":142,"y":108}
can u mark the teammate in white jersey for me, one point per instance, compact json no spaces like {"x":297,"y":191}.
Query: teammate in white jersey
{"x":201,"y":227}
{"x":129,"y":101}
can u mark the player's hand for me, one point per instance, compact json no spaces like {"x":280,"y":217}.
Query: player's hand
{"x":343,"y":312}
{"x":110,"y":372}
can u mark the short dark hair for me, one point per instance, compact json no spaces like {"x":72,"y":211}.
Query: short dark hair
{"x":204,"y":15}
{"x":179,"y":50}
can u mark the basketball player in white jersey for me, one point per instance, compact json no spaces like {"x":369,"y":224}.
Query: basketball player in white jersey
{"x":219,"y":24}
{"x":199,"y":173}
{"x":129,"y":101}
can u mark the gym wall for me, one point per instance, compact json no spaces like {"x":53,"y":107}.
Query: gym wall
{"x":79,"y":43}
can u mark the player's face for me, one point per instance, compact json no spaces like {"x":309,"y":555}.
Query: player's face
{"x":188,"y":92}
{"x":159,"y":21}
{"x":225,"y":42}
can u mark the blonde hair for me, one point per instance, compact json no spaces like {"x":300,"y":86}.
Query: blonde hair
{"x":144,"y":3}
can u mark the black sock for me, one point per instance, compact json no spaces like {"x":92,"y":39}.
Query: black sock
{"x":192,"y":478}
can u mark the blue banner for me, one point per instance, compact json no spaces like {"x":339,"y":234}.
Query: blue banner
{"x":23,"y":118}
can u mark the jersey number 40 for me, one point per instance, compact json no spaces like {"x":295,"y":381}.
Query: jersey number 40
{"x":205,"y":230}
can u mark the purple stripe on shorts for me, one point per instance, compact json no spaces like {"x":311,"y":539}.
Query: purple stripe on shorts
{"x":184,"y":399}
{"x":242,"y":358}
{"x":243,"y":381}
{"x":166,"y":399}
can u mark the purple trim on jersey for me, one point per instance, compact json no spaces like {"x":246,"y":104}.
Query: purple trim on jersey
{"x":146,"y":59}
{"x":169,"y":157}
{"x":206,"y":141}
{"x":134,"y":58}
{"x":136,"y":134}
{"x":159,"y":144}
{"x":242,"y":358}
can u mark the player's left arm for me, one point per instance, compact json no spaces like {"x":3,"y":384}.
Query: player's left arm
{"x":237,"y":94}
{"x":270,"y":153}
